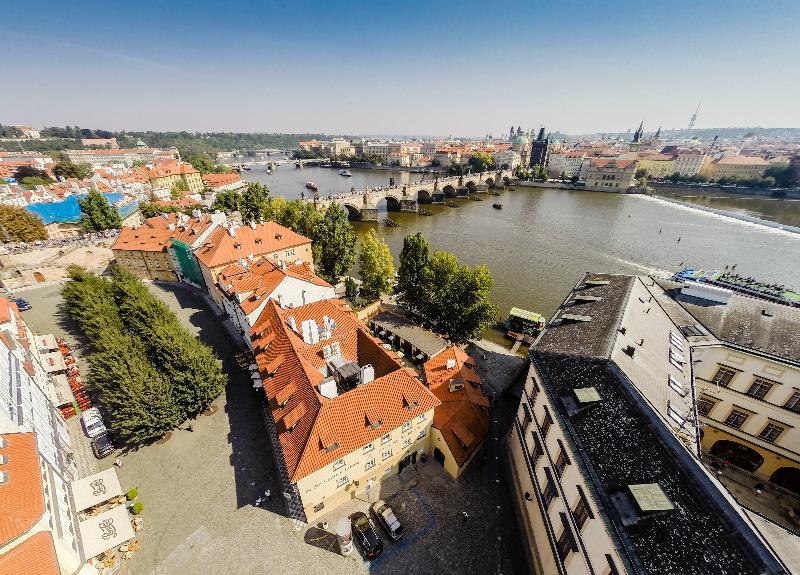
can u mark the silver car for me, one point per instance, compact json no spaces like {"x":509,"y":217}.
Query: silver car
{"x":388,"y":519}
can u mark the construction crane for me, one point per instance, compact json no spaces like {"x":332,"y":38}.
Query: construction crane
{"x":693,"y":119}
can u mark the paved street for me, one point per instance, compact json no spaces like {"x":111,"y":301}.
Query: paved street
{"x":199,"y":488}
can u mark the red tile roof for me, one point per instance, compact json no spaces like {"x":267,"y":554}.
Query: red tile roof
{"x":155,"y":234}
{"x":5,"y":309}
{"x":463,"y":417}
{"x":611,"y":163}
{"x":220,"y":247}
{"x":164,"y":168}
{"x":309,"y":423}
{"x":21,"y":495}
{"x":216,"y":180}
{"x":34,"y":556}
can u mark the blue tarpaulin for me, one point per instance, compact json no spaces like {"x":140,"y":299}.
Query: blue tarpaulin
{"x":69,"y":211}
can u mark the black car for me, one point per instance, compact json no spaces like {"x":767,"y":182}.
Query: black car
{"x":22,"y":305}
{"x":102,"y":446}
{"x":388,"y":519}
{"x":364,"y":533}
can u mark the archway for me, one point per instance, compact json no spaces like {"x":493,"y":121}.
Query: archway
{"x":788,"y":478}
{"x":737,"y":454}
{"x":424,"y":197}
{"x":490,"y":182}
{"x":353,"y":213}
{"x":393,"y":204}
{"x":449,"y":191}
{"x":471,"y":186}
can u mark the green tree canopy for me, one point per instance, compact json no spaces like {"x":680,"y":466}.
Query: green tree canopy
{"x":97,"y":214}
{"x":256,"y":204}
{"x":67,"y":169}
{"x":335,"y":244}
{"x":412,"y":275}
{"x":481,"y":162}
{"x":201,"y":161}
{"x":376,"y":265}
{"x":30,"y":172}
{"x":19,"y":225}
{"x":152,"y":209}
{"x":228,"y":201}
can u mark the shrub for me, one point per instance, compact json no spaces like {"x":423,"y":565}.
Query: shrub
{"x":137,"y":508}
{"x":132,"y":494}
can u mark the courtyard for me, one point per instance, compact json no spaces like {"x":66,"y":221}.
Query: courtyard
{"x":199,"y":486}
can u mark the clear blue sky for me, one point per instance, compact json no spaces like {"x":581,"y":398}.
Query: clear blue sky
{"x":402,"y":67}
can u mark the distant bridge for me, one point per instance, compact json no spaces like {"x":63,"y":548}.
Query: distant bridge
{"x":363,"y":205}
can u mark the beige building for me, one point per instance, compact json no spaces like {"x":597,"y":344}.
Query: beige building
{"x":168,"y":173}
{"x":740,"y":167}
{"x":657,"y":165}
{"x":343,"y":413}
{"x":605,"y":453}
{"x":610,"y":175}
{"x":690,"y":163}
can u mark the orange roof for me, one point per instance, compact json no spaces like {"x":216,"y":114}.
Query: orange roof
{"x":314,"y":430}
{"x":611,"y":163}
{"x":5,"y":309}
{"x":142,"y":239}
{"x":22,"y":495}
{"x":34,"y":556}
{"x":463,"y":417}
{"x":742,"y":161}
{"x":156,"y":232}
{"x":213,"y":180}
{"x":165,"y":168}
{"x":221,"y":248}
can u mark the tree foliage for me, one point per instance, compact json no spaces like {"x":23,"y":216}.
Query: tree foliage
{"x":376,"y":265}
{"x":228,"y":201}
{"x":255,"y":205}
{"x":152,"y":209}
{"x":334,"y":244}
{"x":481,"y":162}
{"x":19,"y":225}
{"x":67,"y":169}
{"x":412,"y":275}
{"x":97,"y":214}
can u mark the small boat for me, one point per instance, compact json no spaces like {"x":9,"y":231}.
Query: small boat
{"x":312,"y":186}
{"x":345,"y":173}
{"x":497,"y":206}
{"x":246,"y":167}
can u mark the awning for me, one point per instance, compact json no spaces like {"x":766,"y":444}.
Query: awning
{"x":95,"y":489}
{"x":106,"y":531}
{"x":53,"y":361}
{"x":63,"y":391}
{"x":46,"y":342}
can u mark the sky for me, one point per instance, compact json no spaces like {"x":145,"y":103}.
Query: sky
{"x":411,"y":67}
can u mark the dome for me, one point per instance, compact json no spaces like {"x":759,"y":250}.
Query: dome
{"x":521,"y":140}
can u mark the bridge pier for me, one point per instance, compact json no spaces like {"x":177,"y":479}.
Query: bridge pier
{"x":408,"y":205}
{"x":437,"y":198}
{"x":369,"y":214}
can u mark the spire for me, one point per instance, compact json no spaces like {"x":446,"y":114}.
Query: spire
{"x":540,"y":137}
{"x":658,"y":133}
{"x":637,"y":135}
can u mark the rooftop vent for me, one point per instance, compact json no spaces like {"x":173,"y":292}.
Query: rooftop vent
{"x":571,"y":317}
{"x":3,"y":477}
{"x":451,"y":363}
{"x":596,"y":282}
{"x":629,"y":350}
{"x":328,"y":388}
{"x":586,"y":298}
{"x":258,"y":240}
{"x":278,"y":236}
{"x":367,"y":374}
{"x":587,"y":395}
{"x":693,"y":330}
{"x":707,"y":292}
{"x":623,"y":330}
{"x":766,"y":313}
{"x":456,"y":384}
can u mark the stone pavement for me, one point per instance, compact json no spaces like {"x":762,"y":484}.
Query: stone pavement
{"x":82,"y":453}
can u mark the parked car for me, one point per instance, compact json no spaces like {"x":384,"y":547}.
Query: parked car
{"x":92,"y":423}
{"x":22,"y":304}
{"x":388,"y":520}
{"x":102,"y":446}
{"x":364,"y":533}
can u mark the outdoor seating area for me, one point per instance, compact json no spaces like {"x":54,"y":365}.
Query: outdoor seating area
{"x":77,"y":399}
{"x":409,"y":340}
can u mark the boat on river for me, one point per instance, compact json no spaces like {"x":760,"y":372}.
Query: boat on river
{"x":497,"y":206}
{"x":345,"y":173}
{"x":312,"y":186}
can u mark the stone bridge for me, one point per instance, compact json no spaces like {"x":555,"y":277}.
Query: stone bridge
{"x":363,"y":205}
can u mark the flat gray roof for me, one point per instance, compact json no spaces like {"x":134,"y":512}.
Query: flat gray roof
{"x":424,"y":340}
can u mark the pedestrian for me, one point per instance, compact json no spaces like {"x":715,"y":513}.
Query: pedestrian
{"x":464,"y":517}
{"x":268,"y":493}
{"x":118,"y":462}
{"x":190,"y":428}
{"x":258,"y":502}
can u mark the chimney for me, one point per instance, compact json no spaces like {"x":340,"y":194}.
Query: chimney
{"x":451,"y":363}
{"x":196,"y":213}
{"x":367,"y":374}
{"x":253,"y":224}
{"x":232,"y":231}
{"x":293,"y":323}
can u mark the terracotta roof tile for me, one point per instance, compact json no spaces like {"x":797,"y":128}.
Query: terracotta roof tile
{"x":21,"y":495}
{"x":34,"y":556}
{"x":221,"y":248}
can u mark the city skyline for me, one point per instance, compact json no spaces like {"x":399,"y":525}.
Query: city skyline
{"x":415,"y":69}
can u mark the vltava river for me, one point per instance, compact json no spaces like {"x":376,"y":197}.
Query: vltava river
{"x":541,"y":242}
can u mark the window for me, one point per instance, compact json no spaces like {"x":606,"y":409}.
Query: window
{"x":549,"y":488}
{"x":341,"y":481}
{"x":794,"y":402}
{"x":537,"y":448}
{"x":675,"y":415}
{"x":723,"y":376}
{"x":771,"y":432}
{"x":338,"y":465}
{"x":565,"y":544}
{"x":386,"y":454}
{"x":546,"y":423}
{"x":760,"y":388}
{"x":407,"y":426}
{"x":581,"y":513}
{"x":289,"y":253}
{"x":562,"y":461}
{"x":736,"y":419}
{"x":421,"y":417}
{"x":676,"y":340}
{"x":704,"y":406}
{"x":319,"y":507}
{"x":368,"y":447}
{"x":369,"y":465}
{"x":612,"y":569}
{"x":534,"y":389}
{"x":675,"y":358}
{"x":422,"y":433}
{"x":676,"y":385}
{"x":386,"y":438}
{"x":407,"y":442}
{"x":526,"y":414}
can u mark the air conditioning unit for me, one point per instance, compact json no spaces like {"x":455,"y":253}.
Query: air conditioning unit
{"x":367,"y":374}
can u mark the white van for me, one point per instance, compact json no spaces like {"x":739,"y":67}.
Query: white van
{"x":92,"y":423}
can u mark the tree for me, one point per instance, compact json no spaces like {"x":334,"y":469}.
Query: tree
{"x":457,"y":298}
{"x":335,"y":244}
{"x":412,"y":275}
{"x":481,"y":162}
{"x":202,"y":162}
{"x":19,"y":225}
{"x":97,"y":214}
{"x":151,"y":209}
{"x":782,"y":174}
{"x":255,"y":205}
{"x":178,"y":188}
{"x":300,"y":216}
{"x":376,"y":265}
{"x":30,"y":172}
{"x":229,"y":201}
{"x":67,"y":169}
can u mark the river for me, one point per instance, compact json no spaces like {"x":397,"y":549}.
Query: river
{"x":541,"y":242}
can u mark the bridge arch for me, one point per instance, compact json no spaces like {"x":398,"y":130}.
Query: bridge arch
{"x":471,"y":186}
{"x":449,"y":191}
{"x":490,"y":182}
{"x":353,"y":213}
{"x":393,"y":204}
{"x":424,"y":197}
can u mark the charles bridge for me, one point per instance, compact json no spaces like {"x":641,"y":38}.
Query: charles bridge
{"x":363,"y":205}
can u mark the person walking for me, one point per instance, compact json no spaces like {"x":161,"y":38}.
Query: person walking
{"x":464,"y":517}
{"x":268,"y":495}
